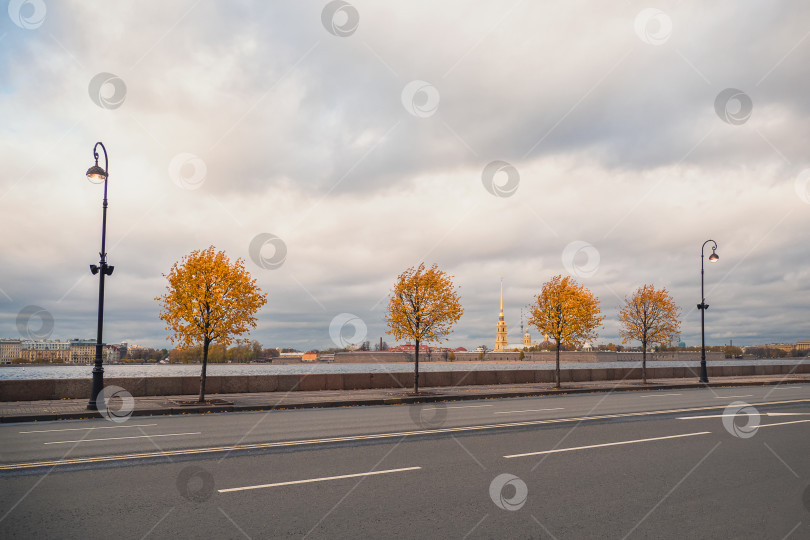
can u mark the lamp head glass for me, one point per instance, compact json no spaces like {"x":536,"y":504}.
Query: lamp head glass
{"x":96,"y":174}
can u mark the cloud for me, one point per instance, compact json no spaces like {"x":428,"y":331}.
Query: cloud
{"x":302,"y":134}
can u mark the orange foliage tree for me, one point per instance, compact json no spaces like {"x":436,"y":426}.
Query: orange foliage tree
{"x":423,"y":306}
{"x":208,"y":299}
{"x":568,"y":312}
{"x":649,"y":316}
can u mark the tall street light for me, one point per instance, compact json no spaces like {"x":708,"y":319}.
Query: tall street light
{"x":703,"y":306}
{"x":98,"y":175}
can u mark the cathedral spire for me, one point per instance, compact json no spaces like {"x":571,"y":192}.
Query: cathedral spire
{"x":501,"y":296}
{"x":500,"y":333}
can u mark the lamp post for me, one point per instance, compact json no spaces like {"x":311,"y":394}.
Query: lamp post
{"x":703,"y":306}
{"x":98,"y":175}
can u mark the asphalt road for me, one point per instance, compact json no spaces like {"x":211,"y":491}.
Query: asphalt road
{"x":641,"y":465}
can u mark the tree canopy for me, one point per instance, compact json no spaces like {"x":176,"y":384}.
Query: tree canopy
{"x":568,"y":312}
{"x":423,"y":306}
{"x":209,"y":299}
{"x":650,"y":316}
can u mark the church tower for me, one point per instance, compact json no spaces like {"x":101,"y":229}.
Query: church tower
{"x":500,"y":334}
{"x":527,"y":337}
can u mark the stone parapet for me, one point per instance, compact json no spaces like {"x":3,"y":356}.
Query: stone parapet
{"x":49,"y":389}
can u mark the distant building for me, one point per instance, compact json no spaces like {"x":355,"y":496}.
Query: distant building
{"x":112,"y":355}
{"x":310,"y":356}
{"x":75,"y":351}
{"x":83,"y":351}
{"x":787,"y":347}
{"x":45,"y":351}
{"x":10,"y":350}
{"x":803,"y":345}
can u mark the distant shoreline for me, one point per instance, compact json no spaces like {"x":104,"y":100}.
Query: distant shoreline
{"x":534,"y":361}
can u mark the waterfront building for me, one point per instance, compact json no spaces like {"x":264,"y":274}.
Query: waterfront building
{"x":10,"y":350}
{"x":44,"y":351}
{"x":112,"y":355}
{"x":82,"y":351}
{"x":76,"y":351}
{"x":500,"y":332}
{"x":803,"y":345}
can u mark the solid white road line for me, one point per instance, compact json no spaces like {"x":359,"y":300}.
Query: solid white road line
{"x":87,"y":428}
{"x":787,"y":414}
{"x":295,"y":482}
{"x":729,"y":397}
{"x":455,"y":407}
{"x":657,"y":395}
{"x":119,"y":438}
{"x":607,"y":444}
{"x":529,"y":410}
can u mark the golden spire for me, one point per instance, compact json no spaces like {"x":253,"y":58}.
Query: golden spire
{"x":500,"y":334}
{"x":502,"y":296}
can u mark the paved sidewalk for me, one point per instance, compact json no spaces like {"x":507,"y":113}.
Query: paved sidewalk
{"x":31,"y":411}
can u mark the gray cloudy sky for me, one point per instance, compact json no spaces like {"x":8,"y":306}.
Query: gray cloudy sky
{"x":357,"y":136}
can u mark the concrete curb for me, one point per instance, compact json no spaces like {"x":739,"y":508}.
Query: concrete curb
{"x":405,"y":400}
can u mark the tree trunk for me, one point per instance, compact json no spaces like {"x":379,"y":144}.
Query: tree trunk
{"x":557,"y":368}
{"x":644,"y":362}
{"x":416,"y":369}
{"x":206,"y":342}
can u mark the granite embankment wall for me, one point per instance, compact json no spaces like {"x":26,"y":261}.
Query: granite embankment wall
{"x":37,"y":389}
{"x":565,"y":356}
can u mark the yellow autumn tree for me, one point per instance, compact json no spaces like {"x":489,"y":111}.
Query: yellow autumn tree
{"x":567,"y":312}
{"x":649,"y":316}
{"x":423,"y":306}
{"x":209,"y":299}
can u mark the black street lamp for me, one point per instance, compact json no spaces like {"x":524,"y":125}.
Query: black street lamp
{"x":703,"y":306}
{"x":98,"y":175}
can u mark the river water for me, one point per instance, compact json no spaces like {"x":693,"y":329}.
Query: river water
{"x":170,"y":370}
